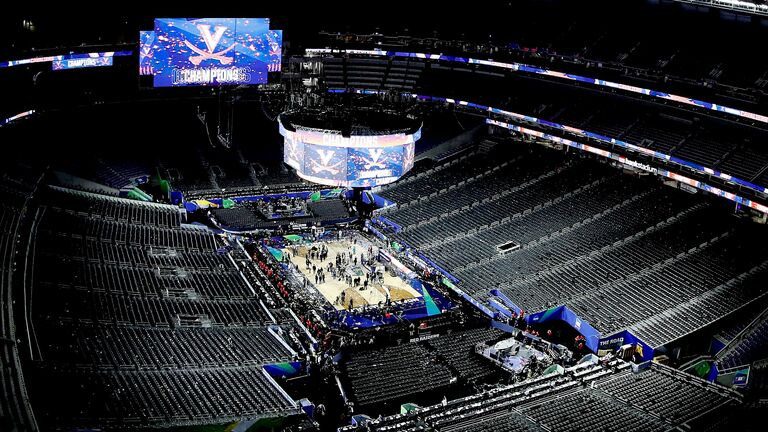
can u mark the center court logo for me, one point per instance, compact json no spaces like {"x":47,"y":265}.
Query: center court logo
{"x":211,"y":42}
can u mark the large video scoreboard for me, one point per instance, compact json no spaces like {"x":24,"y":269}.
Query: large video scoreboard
{"x":210,"y":51}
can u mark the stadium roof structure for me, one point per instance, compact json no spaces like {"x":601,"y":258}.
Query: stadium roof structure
{"x":755,"y":7}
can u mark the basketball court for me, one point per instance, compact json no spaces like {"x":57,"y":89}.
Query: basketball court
{"x":334,"y":289}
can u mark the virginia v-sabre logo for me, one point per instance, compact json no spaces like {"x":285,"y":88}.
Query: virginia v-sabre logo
{"x":325,"y":156}
{"x":325,"y":160}
{"x":374,"y":160}
{"x":211,"y":42}
{"x":293,"y":150}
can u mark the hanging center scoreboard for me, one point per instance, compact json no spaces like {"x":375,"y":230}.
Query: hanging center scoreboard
{"x":358,"y":160}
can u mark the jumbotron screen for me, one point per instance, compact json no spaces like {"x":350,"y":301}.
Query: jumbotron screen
{"x":329,"y":158}
{"x":210,"y":51}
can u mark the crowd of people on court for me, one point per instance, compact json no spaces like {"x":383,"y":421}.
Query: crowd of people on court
{"x":363,"y":275}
